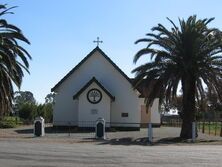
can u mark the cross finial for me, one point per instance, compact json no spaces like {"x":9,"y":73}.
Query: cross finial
{"x":98,"y":41}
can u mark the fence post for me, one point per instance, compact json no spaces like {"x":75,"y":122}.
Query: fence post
{"x":150,"y":133}
{"x":221,"y":129}
{"x":203,"y":128}
{"x":215,"y":128}
{"x":209,"y":127}
{"x":55,"y":128}
{"x":69,"y":124}
{"x":193,"y":131}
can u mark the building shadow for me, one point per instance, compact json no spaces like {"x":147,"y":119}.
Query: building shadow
{"x":55,"y":130}
{"x":24,"y":131}
{"x":68,"y":129}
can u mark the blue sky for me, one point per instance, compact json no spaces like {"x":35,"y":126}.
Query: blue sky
{"x":61,"y":32}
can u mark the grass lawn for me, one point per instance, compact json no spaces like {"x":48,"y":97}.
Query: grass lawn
{"x":212,"y":128}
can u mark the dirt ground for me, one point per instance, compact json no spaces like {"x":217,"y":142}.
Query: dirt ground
{"x":163,"y":135}
{"x":19,"y":148}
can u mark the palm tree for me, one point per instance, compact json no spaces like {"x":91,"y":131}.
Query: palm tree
{"x":13,"y":59}
{"x":188,"y":56}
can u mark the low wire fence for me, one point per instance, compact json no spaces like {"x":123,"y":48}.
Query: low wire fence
{"x":87,"y":130}
{"x":70,"y":130}
{"x":171,"y":121}
{"x":211,"y":126}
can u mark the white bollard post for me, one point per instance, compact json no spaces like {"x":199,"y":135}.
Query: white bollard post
{"x":150,"y":132}
{"x":193,"y":131}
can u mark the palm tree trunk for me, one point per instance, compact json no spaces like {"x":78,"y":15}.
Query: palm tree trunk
{"x":188,"y":111}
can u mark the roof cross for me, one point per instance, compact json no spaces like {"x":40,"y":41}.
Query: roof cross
{"x":98,"y":41}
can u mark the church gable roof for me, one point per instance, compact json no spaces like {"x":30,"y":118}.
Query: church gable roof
{"x":88,"y":84}
{"x":84,"y":60}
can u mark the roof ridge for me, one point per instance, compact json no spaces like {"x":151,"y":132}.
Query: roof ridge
{"x":84,"y":60}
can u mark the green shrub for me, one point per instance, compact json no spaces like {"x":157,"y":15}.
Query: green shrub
{"x":45,"y":111}
{"x":27,"y":111}
{"x":48,"y":112}
{"x":10,"y":122}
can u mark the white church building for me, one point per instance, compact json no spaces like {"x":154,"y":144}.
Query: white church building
{"x":98,"y":88}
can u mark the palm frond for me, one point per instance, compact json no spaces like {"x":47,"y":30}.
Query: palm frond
{"x":13,"y":59}
{"x":190,"y":50}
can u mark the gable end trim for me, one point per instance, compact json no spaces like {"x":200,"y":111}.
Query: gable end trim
{"x":84,"y":60}
{"x":88,"y":84}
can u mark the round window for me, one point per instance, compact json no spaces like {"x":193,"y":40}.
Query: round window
{"x":94,"y":96}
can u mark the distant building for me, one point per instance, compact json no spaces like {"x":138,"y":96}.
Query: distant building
{"x":171,"y":112}
{"x":98,"y":88}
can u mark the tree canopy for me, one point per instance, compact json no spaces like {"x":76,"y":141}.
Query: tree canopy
{"x":13,"y":59}
{"x":188,"y":55}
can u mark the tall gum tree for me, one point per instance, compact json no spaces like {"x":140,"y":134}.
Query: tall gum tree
{"x":188,"y":55}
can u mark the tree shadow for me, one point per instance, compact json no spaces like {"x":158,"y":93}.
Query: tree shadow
{"x":145,"y":142}
{"x":125,"y":141}
{"x":170,"y":140}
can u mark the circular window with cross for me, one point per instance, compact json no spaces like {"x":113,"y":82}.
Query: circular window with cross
{"x":94,"y":96}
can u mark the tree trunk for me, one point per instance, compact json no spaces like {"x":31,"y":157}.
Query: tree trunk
{"x":188,"y":111}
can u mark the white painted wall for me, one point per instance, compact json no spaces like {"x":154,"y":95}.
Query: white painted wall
{"x":65,"y":109}
{"x":154,"y":111}
{"x":126,"y":99}
{"x":85,"y":116}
